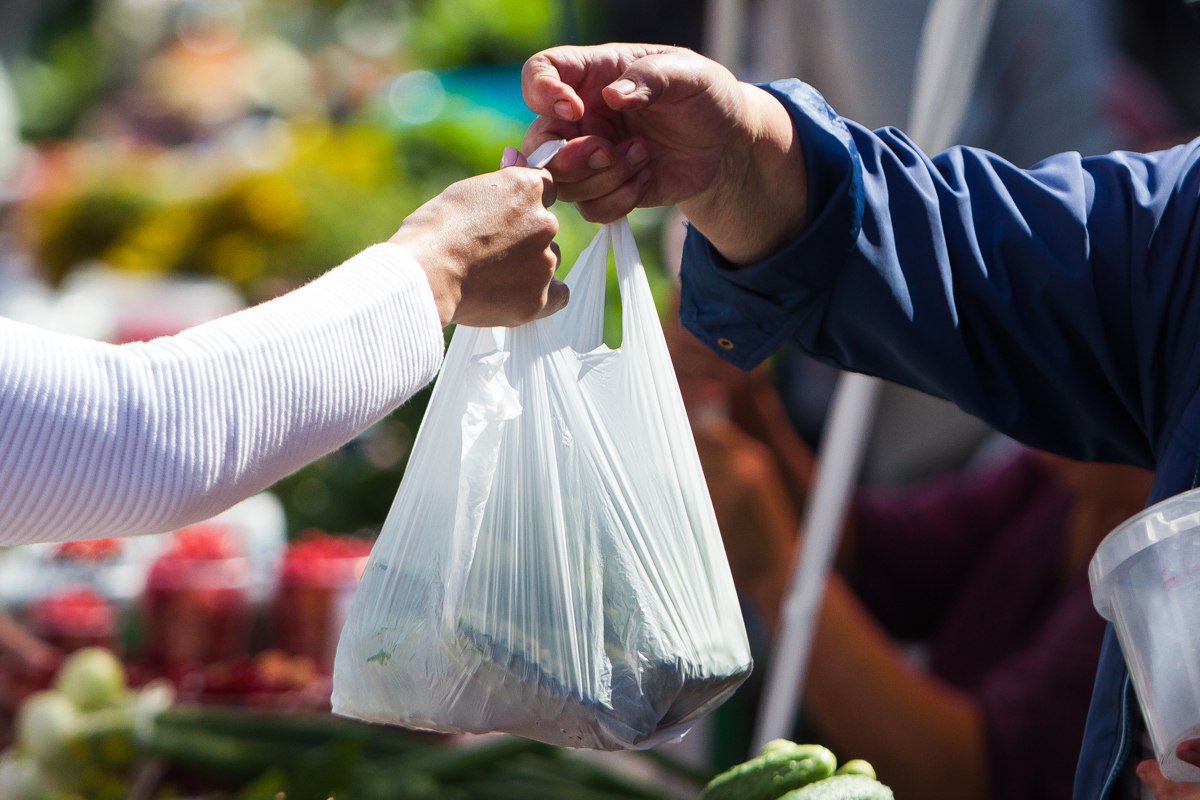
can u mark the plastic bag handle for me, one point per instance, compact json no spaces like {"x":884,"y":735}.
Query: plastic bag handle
{"x":584,"y":316}
{"x":637,"y":301}
{"x":582,"y":321}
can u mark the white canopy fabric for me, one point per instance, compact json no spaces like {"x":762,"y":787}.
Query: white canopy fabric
{"x":10,"y":141}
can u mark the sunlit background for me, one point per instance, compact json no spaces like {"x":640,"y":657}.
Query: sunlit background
{"x":163,"y":162}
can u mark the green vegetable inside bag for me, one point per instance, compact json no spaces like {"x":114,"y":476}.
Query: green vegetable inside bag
{"x":554,"y":564}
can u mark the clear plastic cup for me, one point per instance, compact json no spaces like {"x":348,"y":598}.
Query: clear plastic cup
{"x":1145,"y":579}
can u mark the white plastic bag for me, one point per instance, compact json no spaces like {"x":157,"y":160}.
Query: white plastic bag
{"x":551,"y":566}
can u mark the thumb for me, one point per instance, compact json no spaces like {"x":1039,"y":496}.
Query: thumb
{"x":659,"y":78}
{"x":557,"y":295}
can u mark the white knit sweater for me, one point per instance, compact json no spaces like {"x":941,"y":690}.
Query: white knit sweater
{"x":99,"y":439}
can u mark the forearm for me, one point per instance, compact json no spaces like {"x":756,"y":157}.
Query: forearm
{"x":758,"y":200}
{"x":869,"y":701}
{"x":101,"y":439}
{"x":755,"y":405}
{"x":970,"y":279}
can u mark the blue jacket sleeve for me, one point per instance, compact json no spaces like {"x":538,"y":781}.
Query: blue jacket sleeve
{"x":1057,"y":303}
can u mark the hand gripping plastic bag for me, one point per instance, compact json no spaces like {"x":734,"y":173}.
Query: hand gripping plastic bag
{"x":551,"y":566}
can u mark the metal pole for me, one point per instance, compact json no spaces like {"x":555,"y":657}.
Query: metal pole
{"x":952,"y":42}
{"x":851,"y":414}
{"x":724,"y":32}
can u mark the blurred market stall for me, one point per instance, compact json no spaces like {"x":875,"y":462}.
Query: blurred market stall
{"x":164,"y":162}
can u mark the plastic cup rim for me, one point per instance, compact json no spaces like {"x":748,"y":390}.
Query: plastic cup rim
{"x":1164,"y":520}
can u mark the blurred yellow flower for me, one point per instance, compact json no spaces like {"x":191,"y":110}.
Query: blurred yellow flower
{"x":273,"y":205}
{"x":237,"y":257}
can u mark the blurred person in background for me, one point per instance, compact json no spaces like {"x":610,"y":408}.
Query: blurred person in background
{"x":956,"y":643}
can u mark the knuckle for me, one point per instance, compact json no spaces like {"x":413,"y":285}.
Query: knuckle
{"x":528,"y":187}
{"x":569,"y":193}
{"x":510,"y":179}
{"x":528,"y":179}
{"x":536,"y":134}
{"x":529,"y":309}
{"x":591,"y":211}
{"x":507,"y":176}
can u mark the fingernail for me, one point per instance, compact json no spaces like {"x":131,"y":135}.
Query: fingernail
{"x":623,"y":86}
{"x":563,"y":109}
{"x":509,"y":158}
{"x":636,"y":153}
{"x":599,"y":160}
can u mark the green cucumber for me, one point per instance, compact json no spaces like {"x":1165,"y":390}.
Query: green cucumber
{"x":781,"y":767}
{"x":842,"y":787}
{"x":857,"y":766}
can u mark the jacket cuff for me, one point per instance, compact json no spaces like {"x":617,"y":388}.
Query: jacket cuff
{"x":745,"y":314}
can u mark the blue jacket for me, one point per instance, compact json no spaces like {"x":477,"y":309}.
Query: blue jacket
{"x":1061,"y":304}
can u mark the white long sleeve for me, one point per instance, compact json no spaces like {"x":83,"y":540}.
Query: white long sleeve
{"x":99,"y":439}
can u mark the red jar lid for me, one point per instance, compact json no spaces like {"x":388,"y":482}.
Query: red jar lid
{"x":322,"y":559}
{"x":74,"y":612}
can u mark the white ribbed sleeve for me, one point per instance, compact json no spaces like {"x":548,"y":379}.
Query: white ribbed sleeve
{"x":99,"y":439}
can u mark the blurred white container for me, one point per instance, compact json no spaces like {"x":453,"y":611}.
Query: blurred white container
{"x":31,"y":572}
{"x":100,"y":302}
{"x":1145,"y":579}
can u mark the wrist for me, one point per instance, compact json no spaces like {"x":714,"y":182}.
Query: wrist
{"x":758,"y":201}
{"x":446,"y":288}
